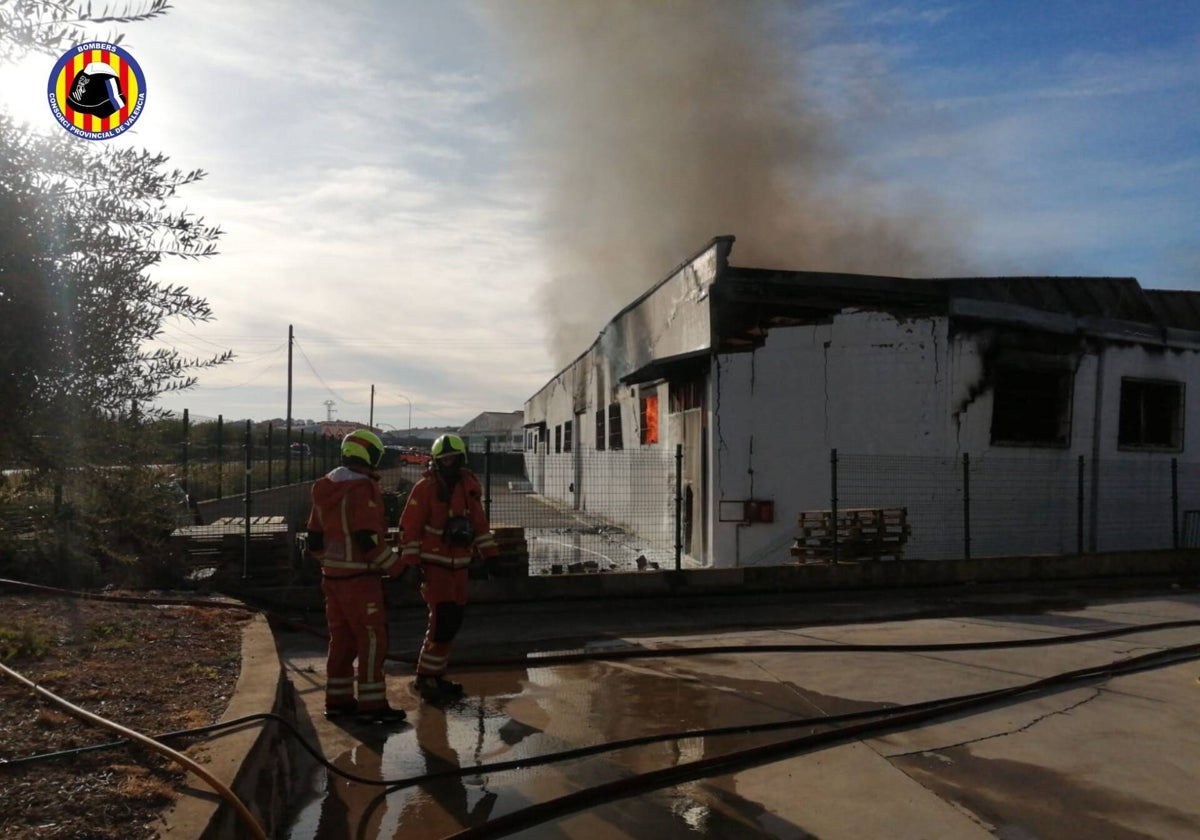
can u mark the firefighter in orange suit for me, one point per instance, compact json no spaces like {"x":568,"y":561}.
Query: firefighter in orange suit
{"x":443,"y":526}
{"x":347,"y":533}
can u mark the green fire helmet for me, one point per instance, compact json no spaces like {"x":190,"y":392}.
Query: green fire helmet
{"x":363,"y":445}
{"x":448,"y":445}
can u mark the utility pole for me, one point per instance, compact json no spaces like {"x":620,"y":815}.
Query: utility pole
{"x":287,"y":440}
{"x":408,"y":431}
{"x":371,"y":417}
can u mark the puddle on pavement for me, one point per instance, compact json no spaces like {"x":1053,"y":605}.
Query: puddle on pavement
{"x":1012,"y":796}
{"x":534,"y":711}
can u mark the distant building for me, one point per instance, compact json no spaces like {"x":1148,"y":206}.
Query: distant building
{"x":336,"y":429}
{"x":504,"y":430}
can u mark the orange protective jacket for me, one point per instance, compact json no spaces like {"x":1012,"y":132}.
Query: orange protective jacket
{"x":347,"y":528}
{"x":430,"y":507}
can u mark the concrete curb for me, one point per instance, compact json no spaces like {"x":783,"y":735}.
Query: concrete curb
{"x":799,"y":578}
{"x":255,"y":760}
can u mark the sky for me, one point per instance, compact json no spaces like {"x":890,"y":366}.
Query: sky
{"x":446,"y":201}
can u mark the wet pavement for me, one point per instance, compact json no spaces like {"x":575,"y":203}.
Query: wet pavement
{"x":1115,"y":757}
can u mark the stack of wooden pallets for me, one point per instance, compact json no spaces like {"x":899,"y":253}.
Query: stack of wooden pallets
{"x":267,"y":558}
{"x":513,"y":560}
{"x":862,"y":534}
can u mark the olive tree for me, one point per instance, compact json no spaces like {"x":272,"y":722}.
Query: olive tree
{"x":82,"y":225}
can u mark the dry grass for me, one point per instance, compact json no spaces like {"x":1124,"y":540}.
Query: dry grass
{"x":151,"y":669}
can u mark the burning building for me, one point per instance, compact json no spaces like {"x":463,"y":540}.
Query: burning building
{"x":760,"y":377}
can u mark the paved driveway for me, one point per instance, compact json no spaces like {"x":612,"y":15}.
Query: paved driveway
{"x":1110,"y":757}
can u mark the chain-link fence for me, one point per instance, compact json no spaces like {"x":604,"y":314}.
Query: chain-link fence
{"x":997,"y":505}
{"x":594,"y":510}
{"x":620,"y":510}
{"x":581,"y":511}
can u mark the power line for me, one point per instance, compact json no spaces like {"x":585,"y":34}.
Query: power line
{"x":308,"y":361}
{"x":255,"y":378}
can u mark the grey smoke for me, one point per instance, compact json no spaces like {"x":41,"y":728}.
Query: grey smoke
{"x":654,"y":125}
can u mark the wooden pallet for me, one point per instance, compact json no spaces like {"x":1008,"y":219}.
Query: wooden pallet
{"x":861,"y":534}
{"x":267,"y":558}
{"x":513,"y":559}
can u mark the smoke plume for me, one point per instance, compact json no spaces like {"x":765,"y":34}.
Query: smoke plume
{"x":653,"y":126}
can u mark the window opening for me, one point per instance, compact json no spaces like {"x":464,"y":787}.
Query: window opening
{"x":686,"y":394}
{"x":1151,"y":414}
{"x":1031,"y":407}
{"x":648,"y":415}
{"x":615,"y":439}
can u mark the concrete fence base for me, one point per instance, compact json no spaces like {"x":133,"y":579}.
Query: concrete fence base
{"x":1183,"y":565}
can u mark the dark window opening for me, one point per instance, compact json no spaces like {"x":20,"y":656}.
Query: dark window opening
{"x":649,"y":419}
{"x":599,"y":429}
{"x":558,"y":439}
{"x":686,"y":394}
{"x":1031,"y":407}
{"x":1151,"y":414}
{"x":567,"y":436}
{"x":615,"y":440}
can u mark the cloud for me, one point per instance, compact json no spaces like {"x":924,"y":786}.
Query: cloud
{"x":390,"y":189}
{"x":364,"y":206}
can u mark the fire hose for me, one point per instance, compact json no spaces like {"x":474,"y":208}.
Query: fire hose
{"x":843,"y":727}
{"x":149,"y":743}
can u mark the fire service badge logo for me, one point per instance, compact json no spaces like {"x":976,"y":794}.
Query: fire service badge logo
{"x":96,"y":91}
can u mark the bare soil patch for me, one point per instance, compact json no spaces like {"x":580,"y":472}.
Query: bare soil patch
{"x":153,"y":669}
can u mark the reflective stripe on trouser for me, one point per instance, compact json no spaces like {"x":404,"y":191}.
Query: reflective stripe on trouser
{"x":357,"y":633}
{"x":339,"y":691}
{"x":448,"y":588}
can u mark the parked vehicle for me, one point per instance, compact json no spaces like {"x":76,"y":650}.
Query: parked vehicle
{"x":409,"y":455}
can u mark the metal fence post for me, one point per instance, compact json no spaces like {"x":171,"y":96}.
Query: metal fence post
{"x":247,"y":505}
{"x":220,"y":451}
{"x":1079,"y":509}
{"x":183,"y":454}
{"x":966,"y":506}
{"x":833,"y":502}
{"x":1175,"y":503}
{"x":487,"y":478}
{"x":678,"y":506}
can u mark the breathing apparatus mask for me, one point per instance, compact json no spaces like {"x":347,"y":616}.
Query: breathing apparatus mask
{"x":449,"y":466}
{"x":458,"y":531}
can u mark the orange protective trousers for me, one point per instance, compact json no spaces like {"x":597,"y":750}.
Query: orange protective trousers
{"x":445,"y":594}
{"x":357,"y":619}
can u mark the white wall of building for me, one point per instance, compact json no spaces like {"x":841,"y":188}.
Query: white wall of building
{"x":900,"y":400}
{"x":632,"y":487}
{"x":866,"y":383}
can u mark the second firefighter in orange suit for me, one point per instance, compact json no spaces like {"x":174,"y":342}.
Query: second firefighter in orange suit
{"x":347,"y":532}
{"x":443,"y":526}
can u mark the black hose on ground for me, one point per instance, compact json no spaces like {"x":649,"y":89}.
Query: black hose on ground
{"x":247,"y":818}
{"x":898,"y":718}
{"x":944,"y":705}
{"x":891,"y":719}
{"x":639,"y":652}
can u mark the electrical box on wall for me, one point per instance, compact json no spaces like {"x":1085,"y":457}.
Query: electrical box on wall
{"x":747,"y":511}
{"x":759,"y":510}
